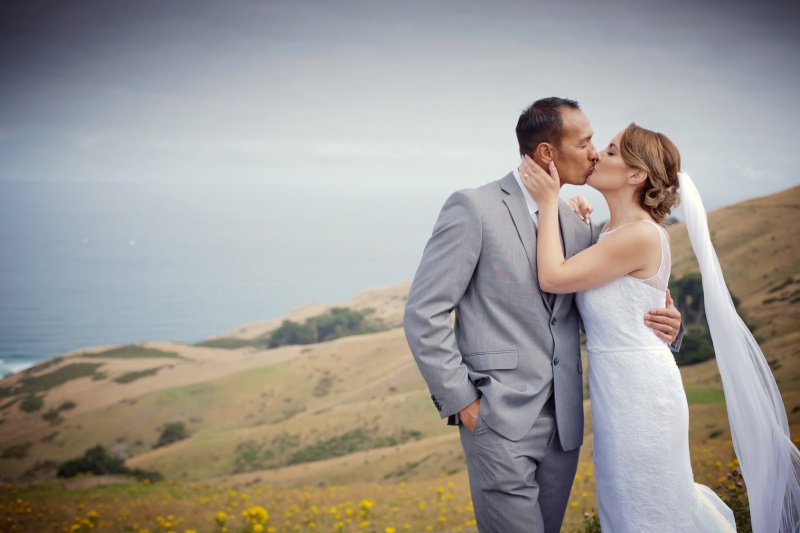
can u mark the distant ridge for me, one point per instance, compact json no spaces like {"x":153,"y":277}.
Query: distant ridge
{"x":356,"y":409}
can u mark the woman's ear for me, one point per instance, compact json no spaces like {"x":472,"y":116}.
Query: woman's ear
{"x":638,"y":177}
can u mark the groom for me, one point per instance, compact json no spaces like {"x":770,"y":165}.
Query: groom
{"x":509,"y":372}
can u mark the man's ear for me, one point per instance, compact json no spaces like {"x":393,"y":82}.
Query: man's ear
{"x":638,"y":177}
{"x":545,"y":153}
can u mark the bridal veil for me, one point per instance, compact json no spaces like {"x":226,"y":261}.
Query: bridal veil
{"x":769,"y":461}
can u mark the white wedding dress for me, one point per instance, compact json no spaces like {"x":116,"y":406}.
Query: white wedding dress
{"x":640,"y":415}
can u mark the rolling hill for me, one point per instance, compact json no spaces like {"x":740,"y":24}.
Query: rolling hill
{"x":356,"y":409}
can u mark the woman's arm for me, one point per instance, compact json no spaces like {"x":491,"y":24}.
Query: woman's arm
{"x":624,"y":252}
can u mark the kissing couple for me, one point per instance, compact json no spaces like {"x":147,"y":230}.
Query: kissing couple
{"x":522,"y":272}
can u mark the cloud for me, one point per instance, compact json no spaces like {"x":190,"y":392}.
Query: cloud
{"x":754,"y":174}
{"x":287,"y":150}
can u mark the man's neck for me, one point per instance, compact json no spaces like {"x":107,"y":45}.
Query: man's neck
{"x":530,"y":202}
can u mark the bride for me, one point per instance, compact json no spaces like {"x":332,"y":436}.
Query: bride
{"x":639,"y":409}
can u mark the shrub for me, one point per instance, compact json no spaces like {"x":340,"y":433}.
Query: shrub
{"x":788,"y":281}
{"x":30,"y":404}
{"x":127,"y":377}
{"x":94,"y":461}
{"x":98,"y":462}
{"x":51,"y":415}
{"x":292,"y":333}
{"x":689,"y":299}
{"x":696,"y":346}
{"x":16,"y":451}
{"x":338,"y":322}
{"x":591,"y":523}
{"x":173,"y":432}
{"x":734,"y":494}
{"x":149,"y":475}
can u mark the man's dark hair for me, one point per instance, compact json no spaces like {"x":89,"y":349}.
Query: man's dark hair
{"x":541,"y":122}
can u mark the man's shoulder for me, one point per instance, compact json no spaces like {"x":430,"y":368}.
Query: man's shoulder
{"x":487,"y":191}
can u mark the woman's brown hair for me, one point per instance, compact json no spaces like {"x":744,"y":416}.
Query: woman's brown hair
{"x":656,"y":155}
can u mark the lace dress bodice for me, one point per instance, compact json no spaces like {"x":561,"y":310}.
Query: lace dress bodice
{"x":625,"y":301}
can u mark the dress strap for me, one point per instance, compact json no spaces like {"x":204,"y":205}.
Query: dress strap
{"x":628,"y":224}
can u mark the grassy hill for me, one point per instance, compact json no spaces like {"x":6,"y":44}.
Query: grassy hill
{"x":355,"y":410}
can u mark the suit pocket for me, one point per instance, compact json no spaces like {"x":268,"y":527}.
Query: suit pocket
{"x":507,"y":360}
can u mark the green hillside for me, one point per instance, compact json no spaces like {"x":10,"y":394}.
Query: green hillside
{"x":355,"y":409}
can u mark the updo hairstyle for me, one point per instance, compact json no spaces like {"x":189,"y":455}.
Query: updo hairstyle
{"x":653,"y":153}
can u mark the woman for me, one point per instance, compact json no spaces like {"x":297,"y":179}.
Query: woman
{"x":640,"y":415}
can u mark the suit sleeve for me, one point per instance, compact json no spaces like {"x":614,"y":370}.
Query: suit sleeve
{"x":676,"y":344}
{"x":444,"y":273}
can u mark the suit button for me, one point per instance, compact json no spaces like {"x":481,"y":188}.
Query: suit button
{"x":553,"y":322}
{"x":555,"y":361}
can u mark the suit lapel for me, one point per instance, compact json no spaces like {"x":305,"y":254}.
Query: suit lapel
{"x":525,"y":228}
{"x":566,"y":221}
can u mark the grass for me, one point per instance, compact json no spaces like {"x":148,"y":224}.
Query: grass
{"x":132,"y":352}
{"x":284,"y":448}
{"x":53,"y":415}
{"x":347,"y":443}
{"x":436,"y":505}
{"x":788,"y":281}
{"x":30,"y":385}
{"x":233,"y":344}
{"x":406,"y":468}
{"x":16,"y":451}
{"x":703,"y":395}
{"x":128,"y":377}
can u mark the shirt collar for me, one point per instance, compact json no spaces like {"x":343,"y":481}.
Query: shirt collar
{"x":533,"y":207}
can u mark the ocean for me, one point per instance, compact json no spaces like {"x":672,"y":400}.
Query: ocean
{"x":87,"y":264}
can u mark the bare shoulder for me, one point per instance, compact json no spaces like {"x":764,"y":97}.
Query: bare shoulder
{"x":641,"y":234}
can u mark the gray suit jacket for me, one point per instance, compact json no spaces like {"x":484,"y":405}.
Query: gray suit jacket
{"x":509,"y":345}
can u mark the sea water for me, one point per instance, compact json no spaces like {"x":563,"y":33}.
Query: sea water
{"x":87,"y":264}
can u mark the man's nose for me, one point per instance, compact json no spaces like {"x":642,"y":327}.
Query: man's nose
{"x":593,"y":155}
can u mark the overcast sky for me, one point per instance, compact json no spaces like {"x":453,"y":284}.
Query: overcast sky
{"x":413,"y":99}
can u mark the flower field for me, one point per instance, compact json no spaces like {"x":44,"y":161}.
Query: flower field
{"x":141,"y":507}
{"x":173,"y":507}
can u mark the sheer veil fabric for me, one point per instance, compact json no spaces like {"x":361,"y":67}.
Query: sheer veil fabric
{"x":769,"y":461}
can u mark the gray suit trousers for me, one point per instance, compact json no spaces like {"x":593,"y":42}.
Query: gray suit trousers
{"x":519,"y":486}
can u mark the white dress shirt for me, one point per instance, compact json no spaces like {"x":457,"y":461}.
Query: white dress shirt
{"x":533,"y":207}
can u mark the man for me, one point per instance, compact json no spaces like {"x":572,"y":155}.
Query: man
{"x":509,"y":372}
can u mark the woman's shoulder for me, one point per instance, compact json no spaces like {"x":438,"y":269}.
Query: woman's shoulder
{"x":638,"y":233}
